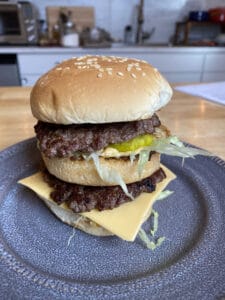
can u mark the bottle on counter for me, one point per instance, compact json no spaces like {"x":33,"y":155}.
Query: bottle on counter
{"x":43,"y":39}
{"x":128,"y":35}
{"x":55,"y":38}
{"x":69,"y":34}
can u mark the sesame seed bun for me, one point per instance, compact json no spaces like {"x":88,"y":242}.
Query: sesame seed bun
{"x":99,"y":89}
{"x":84,"y":172}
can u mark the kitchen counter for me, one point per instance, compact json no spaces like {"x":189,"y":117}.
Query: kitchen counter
{"x":120,"y":47}
{"x":194,"y":120}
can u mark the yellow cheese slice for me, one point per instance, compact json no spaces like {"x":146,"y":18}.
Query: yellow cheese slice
{"x":124,"y":221}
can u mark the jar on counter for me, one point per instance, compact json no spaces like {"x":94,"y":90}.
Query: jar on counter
{"x":69,"y":35}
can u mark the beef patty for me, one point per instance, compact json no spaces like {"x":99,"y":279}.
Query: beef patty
{"x":65,"y":140}
{"x":82,"y":198}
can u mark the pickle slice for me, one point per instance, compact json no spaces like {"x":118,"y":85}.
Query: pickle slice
{"x":135,"y":143}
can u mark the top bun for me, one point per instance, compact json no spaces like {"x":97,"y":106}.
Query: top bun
{"x":99,"y":89}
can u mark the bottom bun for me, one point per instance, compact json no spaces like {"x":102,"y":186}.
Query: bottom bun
{"x":67,"y":216}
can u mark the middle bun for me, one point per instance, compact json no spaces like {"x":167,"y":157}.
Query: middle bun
{"x":84,"y":172}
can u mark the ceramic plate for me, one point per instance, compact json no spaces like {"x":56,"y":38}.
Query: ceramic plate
{"x":39,"y":258}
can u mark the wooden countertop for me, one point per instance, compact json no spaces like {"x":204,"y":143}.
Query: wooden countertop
{"x":193,"y":119}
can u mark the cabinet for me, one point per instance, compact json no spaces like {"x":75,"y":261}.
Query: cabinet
{"x":214,"y":67}
{"x":176,"y":64}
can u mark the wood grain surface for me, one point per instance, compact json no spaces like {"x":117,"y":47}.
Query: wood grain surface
{"x":193,"y":119}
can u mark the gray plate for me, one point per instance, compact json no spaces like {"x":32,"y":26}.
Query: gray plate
{"x":37,"y":263}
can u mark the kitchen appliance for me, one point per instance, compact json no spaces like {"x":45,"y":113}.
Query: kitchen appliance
{"x":18,"y":23}
{"x":9,"y":73}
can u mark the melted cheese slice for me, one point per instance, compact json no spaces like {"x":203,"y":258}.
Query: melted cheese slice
{"x":124,"y":221}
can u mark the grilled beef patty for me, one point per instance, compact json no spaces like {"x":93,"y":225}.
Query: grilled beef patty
{"x":64,"y":140}
{"x":82,"y":198}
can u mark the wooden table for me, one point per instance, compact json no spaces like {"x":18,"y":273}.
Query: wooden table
{"x":193,"y":119}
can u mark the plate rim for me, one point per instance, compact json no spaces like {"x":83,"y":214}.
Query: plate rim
{"x":66,"y":287}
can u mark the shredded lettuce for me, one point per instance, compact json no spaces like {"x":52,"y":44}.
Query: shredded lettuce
{"x":144,"y":236}
{"x":132,"y":157}
{"x":109,"y":175}
{"x":159,"y":241}
{"x":164,"y":194}
{"x":148,"y":243}
{"x":173,"y":146}
{"x":71,"y":237}
{"x":143,"y":159}
{"x":145,"y":239}
{"x":155,"y":215}
{"x":170,"y":146}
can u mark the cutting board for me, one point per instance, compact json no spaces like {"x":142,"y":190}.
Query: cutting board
{"x":82,"y":16}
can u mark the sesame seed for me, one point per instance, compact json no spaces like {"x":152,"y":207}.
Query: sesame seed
{"x":99,"y":75}
{"x":79,"y":63}
{"x":138,"y":69}
{"x":79,"y":58}
{"x":109,"y":72}
{"x":156,"y":70}
{"x":119,"y":73}
{"x":133,"y":75}
{"x":96,"y":66}
{"x":101,"y":70}
{"x":79,"y":67}
{"x":143,"y":74}
{"x":109,"y":69}
{"x":58,"y":69}
{"x":67,"y":68}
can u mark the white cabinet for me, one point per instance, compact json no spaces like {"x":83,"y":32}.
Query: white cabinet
{"x":29,"y":79}
{"x":214,"y":67}
{"x":179,"y":77}
{"x":213,"y":76}
{"x":214,"y":62}
{"x":176,"y":64}
{"x":39,"y":63}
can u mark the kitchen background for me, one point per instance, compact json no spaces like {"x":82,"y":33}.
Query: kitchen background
{"x":114,"y":15}
{"x":158,"y":32}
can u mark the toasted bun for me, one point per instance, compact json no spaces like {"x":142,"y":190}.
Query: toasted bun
{"x":99,"y":89}
{"x":84,"y":172}
{"x":67,"y":216}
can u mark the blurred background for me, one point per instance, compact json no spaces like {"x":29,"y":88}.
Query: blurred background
{"x":184,"y":39}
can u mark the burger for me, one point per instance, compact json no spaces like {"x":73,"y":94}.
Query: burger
{"x":99,"y":134}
